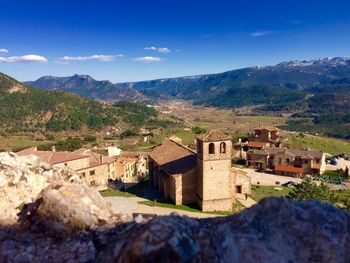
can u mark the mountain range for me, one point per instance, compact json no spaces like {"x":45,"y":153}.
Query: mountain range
{"x":316,"y":92}
{"x":294,"y":78}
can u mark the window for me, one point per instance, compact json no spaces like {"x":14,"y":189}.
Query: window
{"x":92,"y":172}
{"x":83,"y":174}
{"x":211,"y":148}
{"x":287,"y":160}
{"x":222,"y":147}
{"x":93,"y":183}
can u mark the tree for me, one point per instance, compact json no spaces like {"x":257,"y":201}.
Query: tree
{"x":198,"y":130}
{"x":308,"y":190}
{"x":89,"y":138}
{"x":346,"y":173}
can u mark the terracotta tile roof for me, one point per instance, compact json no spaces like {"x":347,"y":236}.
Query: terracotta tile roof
{"x":174,"y":158}
{"x":94,"y":158}
{"x":52,"y":157}
{"x":136,"y":155}
{"x":256,"y":144}
{"x":303,"y":154}
{"x":289,"y":169}
{"x":125,"y":160}
{"x":269,"y":128}
{"x":213,"y":135}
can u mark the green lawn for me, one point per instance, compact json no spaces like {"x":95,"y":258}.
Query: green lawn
{"x":136,"y":190}
{"x":259,"y":191}
{"x":327,"y":144}
{"x":186,"y":136}
{"x":111,"y":192}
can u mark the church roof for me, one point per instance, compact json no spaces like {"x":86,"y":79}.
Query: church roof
{"x":267,"y":127}
{"x":174,"y":158}
{"x":213,"y":135}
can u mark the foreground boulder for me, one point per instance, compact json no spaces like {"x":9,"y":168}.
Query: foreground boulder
{"x":65,"y":206}
{"x":22,"y":179}
{"x":275,"y":230}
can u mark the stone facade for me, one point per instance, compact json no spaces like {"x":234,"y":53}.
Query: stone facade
{"x":242,"y":183}
{"x":204,"y":177}
{"x":214,"y":190}
{"x":97,"y":169}
{"x":312,"y":162}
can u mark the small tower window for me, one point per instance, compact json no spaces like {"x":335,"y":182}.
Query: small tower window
{"x":222,"y":147}
{"x":211,"y":148}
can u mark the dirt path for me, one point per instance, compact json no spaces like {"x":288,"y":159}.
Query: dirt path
{"x":131,"y":205}
{"x":245,"y":202}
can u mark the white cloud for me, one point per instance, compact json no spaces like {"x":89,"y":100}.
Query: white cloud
{"x":148,"y":59}
{"x":3,"y":50}
{"x":260,"y":33}
{"x":25,"y":58}
{"x":158,"y":49}
{"x":102,"y":58}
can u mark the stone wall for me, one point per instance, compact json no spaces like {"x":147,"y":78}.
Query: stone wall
{"x":186,"y":187}
{"x":96,"y":176}
{"x":75,"y":164}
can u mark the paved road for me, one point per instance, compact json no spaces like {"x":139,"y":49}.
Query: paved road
{"x":267,"y":178}
{"x":341,"y":164}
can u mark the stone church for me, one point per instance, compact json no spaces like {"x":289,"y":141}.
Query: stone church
{"x":204,"y":177}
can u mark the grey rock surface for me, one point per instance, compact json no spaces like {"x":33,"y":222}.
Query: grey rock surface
{"x":65,"y":206}
{"x":22,"y":179}
{"x":275,"y":230}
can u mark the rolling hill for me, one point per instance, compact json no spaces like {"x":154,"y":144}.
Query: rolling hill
{"x":86,"y":86}
{"x":27,"y":109}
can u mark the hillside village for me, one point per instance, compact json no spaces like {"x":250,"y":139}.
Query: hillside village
{"x":207,"y":175}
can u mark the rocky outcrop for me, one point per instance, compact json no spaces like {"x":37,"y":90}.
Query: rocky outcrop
{"x":65,"y":207}
{"x":22,"y":179}
{"x":275,"y":230}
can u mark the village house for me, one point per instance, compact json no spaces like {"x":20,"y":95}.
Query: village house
{"x":131,"y":166}
{"x":204,"y":177}
{"x":126,"y":169}
{"x":287,"y":161}
{"x":95,"y":168}
{"x":141,"y":160}
{"x":101,"y":168}
{"x":263,"y":137}
{"x":266,"y":134}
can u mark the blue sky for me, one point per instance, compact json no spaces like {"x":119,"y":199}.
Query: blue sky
{"x":137,"y":40}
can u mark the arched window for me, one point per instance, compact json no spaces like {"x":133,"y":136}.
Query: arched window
{"x":222,"y":147}
{"x":211,"y":148}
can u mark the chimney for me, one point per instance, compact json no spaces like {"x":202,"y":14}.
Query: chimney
{"x":53,"y":148}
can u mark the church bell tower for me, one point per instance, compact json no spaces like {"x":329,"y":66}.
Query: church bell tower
{"x":214,"y":185}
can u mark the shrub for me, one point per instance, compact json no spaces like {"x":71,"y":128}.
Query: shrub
{"x":198,"y":130}
{"x":50,"y":137}
{"x":89,"y":138}
{"x":128,"y":132}
{"x":277,"y":183}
